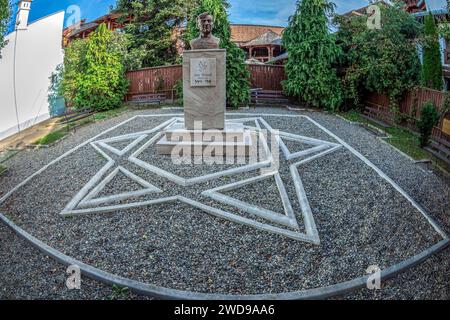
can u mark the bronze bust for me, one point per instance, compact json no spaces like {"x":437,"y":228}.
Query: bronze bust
{"x":206,"y":40}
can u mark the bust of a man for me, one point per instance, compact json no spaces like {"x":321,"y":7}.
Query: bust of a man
{"x":206,"y":40}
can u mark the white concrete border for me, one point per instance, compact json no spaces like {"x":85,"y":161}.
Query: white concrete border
{"x":287,"y":219}
{"x":173,"y":294}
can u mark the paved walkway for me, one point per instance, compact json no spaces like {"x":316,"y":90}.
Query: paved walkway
{"x":29,"y":135}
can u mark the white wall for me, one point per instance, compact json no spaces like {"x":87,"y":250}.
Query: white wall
{"x":443,"y":46}
{"x":38,"y":51}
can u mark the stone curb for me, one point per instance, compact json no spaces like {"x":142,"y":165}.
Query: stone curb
{"x":173,"y":294}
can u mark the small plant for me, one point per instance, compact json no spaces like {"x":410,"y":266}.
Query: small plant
{"x":52,"y":137}
{"x":428,"y":119}
{"x":178,"y":88}
{"x":119,"y":293}
{"x":160,"y":84}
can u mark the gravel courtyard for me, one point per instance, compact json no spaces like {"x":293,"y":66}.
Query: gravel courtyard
{"x":361,"y":219}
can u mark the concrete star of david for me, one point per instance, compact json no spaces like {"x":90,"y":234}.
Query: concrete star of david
{"x":88,"y":201}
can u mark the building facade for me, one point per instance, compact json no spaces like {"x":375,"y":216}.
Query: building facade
{"x":31,"y":55}
{"x":422,"y":8}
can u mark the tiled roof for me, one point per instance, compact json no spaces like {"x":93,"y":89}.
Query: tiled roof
{"x":109,"y":16}
{"x":245,"y":32}
{"x":84,"y":27}
{"x":362,"y":11}
{"x":268,"y":37}
{"x":280,"y":57}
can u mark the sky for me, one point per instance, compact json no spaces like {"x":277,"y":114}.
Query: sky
{"x":267,"y":12}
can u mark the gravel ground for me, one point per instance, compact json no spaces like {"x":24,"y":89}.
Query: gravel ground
{"x":179,"y":247}
{"x":28,"y":274}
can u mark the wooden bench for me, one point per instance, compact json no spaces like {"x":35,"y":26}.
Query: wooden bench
{"x":259,"y":96}
{"x":147,"y":98}
{"x":72,"y":116}
{"x":377,"y":114}
{"x":440,"y":148}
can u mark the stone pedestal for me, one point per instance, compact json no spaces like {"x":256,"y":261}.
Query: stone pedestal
{"x":204,"y":88}
{"x":233,"y":140}
{"x":204,"y":132}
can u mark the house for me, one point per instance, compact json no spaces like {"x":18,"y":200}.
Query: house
{"x":261,"y":43}
{"x":31,"y":55}
{"x":422,"y":8}
{"x":264,"y":47}
{"x":81,"y":31}
{"x":363,"y":10}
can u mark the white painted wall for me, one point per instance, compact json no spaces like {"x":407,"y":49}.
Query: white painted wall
{"x":38,"y":51}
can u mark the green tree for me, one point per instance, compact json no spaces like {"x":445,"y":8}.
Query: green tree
{"x":238,"y":84}
{"x":310,"y":71}
{"x":385,"y":60}
{"x":5,"y":12}
{"x":74,"y":55}
{"x":94,"y":73}
{"x":432,"y":67}
{"x":152,"y":40}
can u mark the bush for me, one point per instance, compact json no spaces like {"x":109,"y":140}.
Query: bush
{"x":383,"y":61}
{"x":428,"y":119}
{"x":94,"y":72}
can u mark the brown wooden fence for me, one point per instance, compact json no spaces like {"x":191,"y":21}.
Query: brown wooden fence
{"x":154,"y":80}
{"x":378,"y":106}
{"x":266,"y":77}
{"x":163,"y":79}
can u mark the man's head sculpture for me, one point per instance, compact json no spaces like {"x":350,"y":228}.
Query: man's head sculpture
{"x":206,"y":40}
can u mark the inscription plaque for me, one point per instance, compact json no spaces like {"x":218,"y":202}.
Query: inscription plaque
{"x":203,"y":72}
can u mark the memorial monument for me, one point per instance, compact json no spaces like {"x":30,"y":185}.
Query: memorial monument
{"x":204,"y":98}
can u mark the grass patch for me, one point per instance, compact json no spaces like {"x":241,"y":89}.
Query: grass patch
{"x":108,"y":114}
{"x":353,"y":116}
{"x":52,"y":137}
{"x":2,"y":169}
{"x":401,"y":138}
{"x":407,"y":142}
{"x":119,"y":293}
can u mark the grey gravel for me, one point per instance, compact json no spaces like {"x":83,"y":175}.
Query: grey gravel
{"x":183,"y":248}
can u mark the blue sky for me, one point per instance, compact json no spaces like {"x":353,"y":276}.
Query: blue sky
{"x":270,"y":12}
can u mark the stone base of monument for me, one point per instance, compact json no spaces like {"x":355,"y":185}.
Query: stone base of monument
{"x":233,"y":140}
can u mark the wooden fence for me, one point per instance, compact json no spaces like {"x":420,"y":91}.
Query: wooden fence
{"x":266,"y":77}
{"x":163,"y":79}
{"x":378,"y":106}
{"x":154,"y":80}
